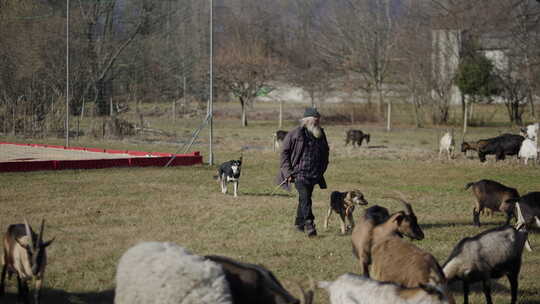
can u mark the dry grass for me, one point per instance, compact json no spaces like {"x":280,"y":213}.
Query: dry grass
{"x":96,"y":215}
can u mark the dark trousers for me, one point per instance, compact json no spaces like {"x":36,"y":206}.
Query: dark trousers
{"x":303,"y":212}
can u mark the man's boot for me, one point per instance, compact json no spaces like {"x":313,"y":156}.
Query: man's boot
{"x":309,"y":228}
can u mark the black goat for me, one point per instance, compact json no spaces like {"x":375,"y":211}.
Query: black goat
{"x":502,"y":145}
{"x":356,"y":137}
{"x":494,"y":196}
{"x":251,"y":283}
{"x":529,"y":205}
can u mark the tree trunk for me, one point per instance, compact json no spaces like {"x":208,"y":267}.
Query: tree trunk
{"x":280,"y":114}
{"x":244,"y":116}
{"x":352,"y":113}
{"x":463,"y":106}
{"x":389,"y":117}
{"x":416,"y":108}
{"x":380,"y":100}
{"x":173,"y":110}
{"x":465,"y":116}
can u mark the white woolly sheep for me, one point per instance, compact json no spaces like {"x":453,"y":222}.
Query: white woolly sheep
{"x":352,"y":289}
{"x":166,"y":273}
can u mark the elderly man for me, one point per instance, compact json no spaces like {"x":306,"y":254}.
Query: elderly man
{"x":304,"y":159}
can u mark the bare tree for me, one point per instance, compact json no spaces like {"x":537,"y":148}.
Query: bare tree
{"x":244,"y":70}
{"x":415,"y":65}
{"x":524,"y":29}
{"x":359,"y":36}
{"x":246,"y":60}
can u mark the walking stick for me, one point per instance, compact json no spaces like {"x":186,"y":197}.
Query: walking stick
{"x":277,"y":187}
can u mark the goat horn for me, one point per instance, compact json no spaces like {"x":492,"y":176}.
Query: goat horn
{"x":40,"y":236}
{"x":520,"y":223}
{"x":408,"y":207}
{"x":29,"y":234}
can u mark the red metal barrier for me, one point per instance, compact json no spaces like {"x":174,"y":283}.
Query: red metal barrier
{"x":146,"y":159}
{"x":27,"y":166}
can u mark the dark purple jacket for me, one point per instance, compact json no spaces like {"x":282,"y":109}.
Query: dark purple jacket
{"x":293,"y":146}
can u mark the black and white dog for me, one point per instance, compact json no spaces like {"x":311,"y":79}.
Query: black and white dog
{"x":229,"y":172}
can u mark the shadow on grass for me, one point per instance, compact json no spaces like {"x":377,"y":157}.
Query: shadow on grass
{"x":377,"y":147}
{"x":267,"y":194}
{"x":496,"y":287}
{"x":55,"y":296}
{"x":485,"y":225}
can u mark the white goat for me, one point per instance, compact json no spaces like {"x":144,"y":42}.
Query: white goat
{"x":531,"y":131}
{"x":166,"y":273}
{"x":447,"y":144}
{"x":529,"y":149}
{"x":354,"y":289}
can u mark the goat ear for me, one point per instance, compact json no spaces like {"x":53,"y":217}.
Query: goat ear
{"x":398,"y":217}
{"x":25,"y":246}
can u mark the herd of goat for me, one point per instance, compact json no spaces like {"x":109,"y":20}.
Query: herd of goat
{"x":524,"y":145}
{"x":394,"y":269}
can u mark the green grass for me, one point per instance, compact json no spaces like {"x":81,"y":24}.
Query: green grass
{"x":96,"y":215}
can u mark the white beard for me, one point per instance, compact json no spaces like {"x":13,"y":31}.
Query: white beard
{"x":313,"y":129}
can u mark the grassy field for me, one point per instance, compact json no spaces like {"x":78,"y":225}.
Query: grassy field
{"x":96,"y":215}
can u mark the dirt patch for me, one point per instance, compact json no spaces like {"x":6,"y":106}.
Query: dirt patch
{"x":13,"y":153}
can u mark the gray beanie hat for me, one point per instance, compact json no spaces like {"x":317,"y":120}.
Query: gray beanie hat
{"x":311,"y":112}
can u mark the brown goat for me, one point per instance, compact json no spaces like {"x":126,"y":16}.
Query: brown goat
{"x":404,"y":222}
{"x":24,"y":255}
{"x":473,"y":145}
{"x":399,"y":261}
{"x":493,"y":196}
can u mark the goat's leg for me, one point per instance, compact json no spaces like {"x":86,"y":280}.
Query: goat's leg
{"x":513,"y":278}
{"x":327,"y":218}
{"x":2,"y":279}
{"x":365,"y":268}
{"x":465,"y":292}
{"x":487,"y":290}
{"x":22,"y":287}
{"x":37,"y":291}
{"x":476,"y":217}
